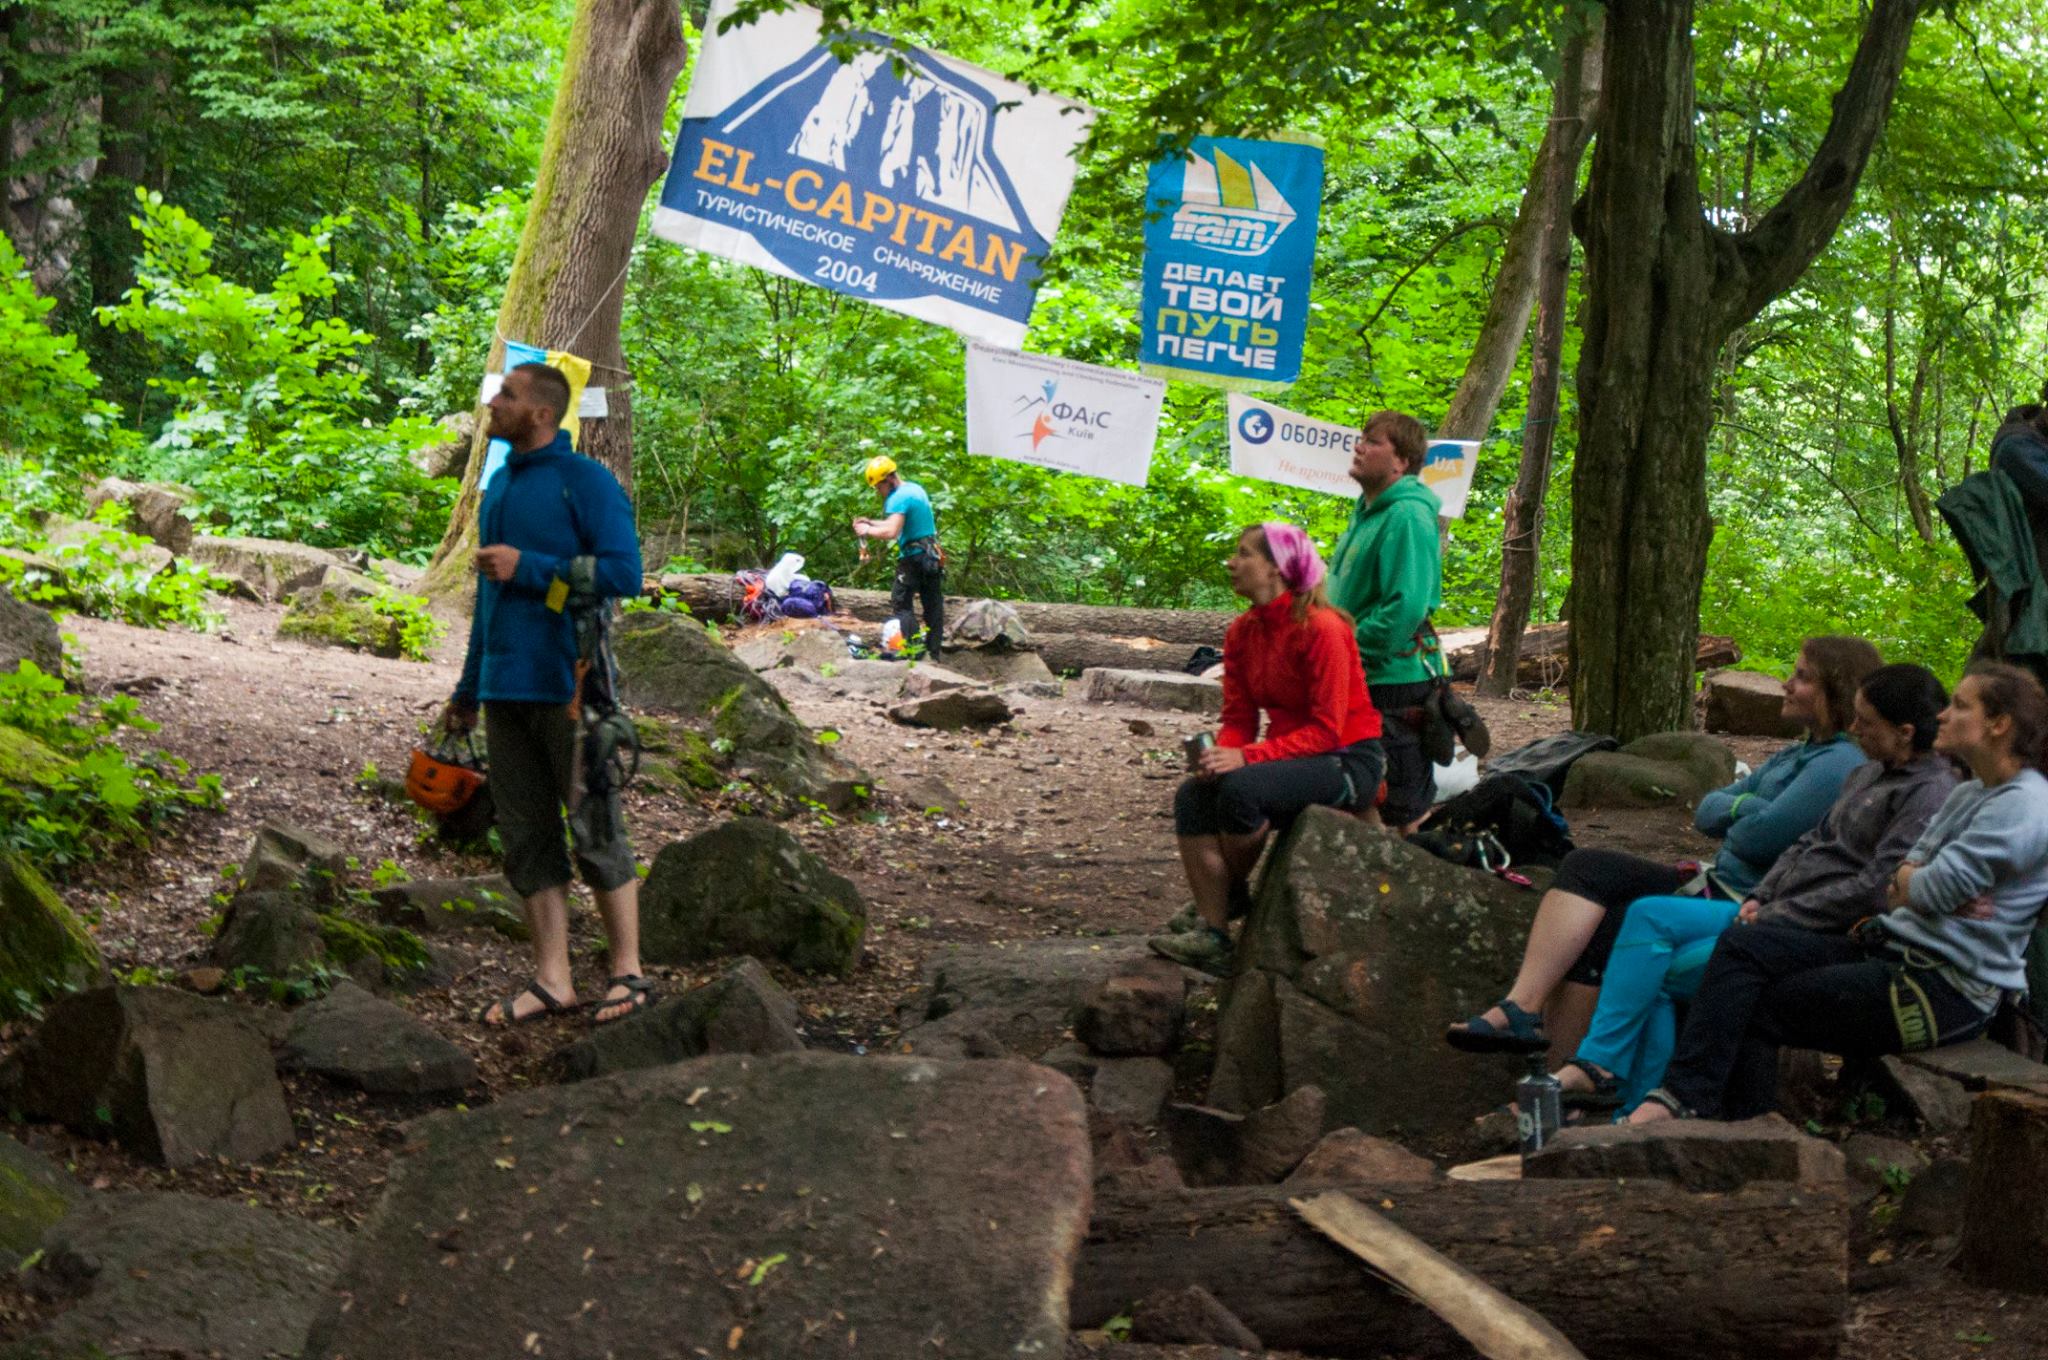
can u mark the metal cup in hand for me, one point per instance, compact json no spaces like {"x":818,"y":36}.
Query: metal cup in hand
{"x":1194,"y":746}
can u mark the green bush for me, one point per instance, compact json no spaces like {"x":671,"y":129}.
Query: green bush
{"x":67,"y":788}
{"x":111,"y":574}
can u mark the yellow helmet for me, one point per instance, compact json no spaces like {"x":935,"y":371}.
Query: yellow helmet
{"x":878,"y":468}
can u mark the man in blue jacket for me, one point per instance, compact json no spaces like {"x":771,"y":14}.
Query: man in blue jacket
{"x":555,"y":528}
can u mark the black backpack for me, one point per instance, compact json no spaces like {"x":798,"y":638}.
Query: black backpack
{"x":1502,"y":820}
{"x":1547,"y":760}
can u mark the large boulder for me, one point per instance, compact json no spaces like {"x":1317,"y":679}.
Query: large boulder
{"x":1747,"y":704}
{"x":266,"y":568}
{"x":1138,"y":1009}
{"x":44,"y":949}
{"x":1358,"y":950}
{"x":994,"y":667}
{"x":34,"y":1193}
{"x":143,"y":560}
{"x":274,"y":934}
{"x":360,"y":1040}
{"x":174,"y":1078}
{"x":747,"y":886}
{"x":1152,"y":689}
{"x":156,"y":510}
{"x":741,"y":1011}
{"x":1019,"y":997}
{"x":670,"y":663}
{"x":788,"y":1206}
{"x":448,"y":456}
{"x":28,"y":634}
{"x":149,"y":1274}
{"x":1664,"y":769}
{"x":339,"y":610}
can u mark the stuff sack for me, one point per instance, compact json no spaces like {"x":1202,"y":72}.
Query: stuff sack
{"x":1547,"y":760}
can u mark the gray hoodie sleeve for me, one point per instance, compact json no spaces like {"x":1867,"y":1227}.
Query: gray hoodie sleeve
{"x":2004,"y":839}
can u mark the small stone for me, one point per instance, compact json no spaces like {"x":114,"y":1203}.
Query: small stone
{"x":1876,"y":1162}
{"x":953,"y":709}
{"x":205,"y":980}
{"x":1275,"y":1139}
{"x":1934,"y":1200}
{"x":741,"y":1011}
{"x":1139,"y":1009}
{"x":283,"y":858}
{"x":1131,"y":1089}
{"x":1346,"y":1156}
{"x":1940,"y":1103}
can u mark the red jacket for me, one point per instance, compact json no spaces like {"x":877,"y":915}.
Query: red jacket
{"x":1305,"y":676}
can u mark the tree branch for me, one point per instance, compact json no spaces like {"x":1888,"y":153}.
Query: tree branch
{"x":1769,"y":258}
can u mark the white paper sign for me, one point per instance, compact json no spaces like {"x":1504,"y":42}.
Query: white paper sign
{"x":592,"y":405}
{"x":1449,"y":473}
{"x":903,"y":176}
{"x":1274,"y":444}
{"x":1055,"y":413}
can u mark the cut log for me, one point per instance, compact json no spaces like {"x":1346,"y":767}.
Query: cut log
{"x":1072,"y":653}
{"x":1757,"y":1272}
{"x":713,"y":597}
{"x":1497,"y":1326}
{"x":1545,"y":654}
{"x":2005,"y":1210}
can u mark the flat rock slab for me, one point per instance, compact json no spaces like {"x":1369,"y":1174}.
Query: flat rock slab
{"x":810,"y":648}
{"x":1021,"y":996}
{"x":1152,"y":689}
{"x":1347,"y":1157}
{"x":433,"y":905}
{"x":360,"y":1040}
{"x":1698,"y":1154}
{"x":1933,"y":1097}
{"x":1130,"y":1090}
{"x":742,"y":1011}
{"x":810,"y":1204}
{"x":952,"y":709}
{"x":1747,"y":704}
{"x":180,"y":1275}
{"x":1981,"y":1065}
{"x":267,"y":568}
{"x":998,"y":667}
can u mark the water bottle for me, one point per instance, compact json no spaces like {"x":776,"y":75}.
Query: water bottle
{"x":1539,"y":1105}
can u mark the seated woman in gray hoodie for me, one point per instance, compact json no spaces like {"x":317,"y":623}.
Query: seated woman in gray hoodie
{"x":1928,"y":972}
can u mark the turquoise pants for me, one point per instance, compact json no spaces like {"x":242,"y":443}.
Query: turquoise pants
{"x":1658,"y":958}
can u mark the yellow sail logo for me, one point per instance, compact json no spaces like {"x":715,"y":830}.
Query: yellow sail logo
{"x":1228,"y":206}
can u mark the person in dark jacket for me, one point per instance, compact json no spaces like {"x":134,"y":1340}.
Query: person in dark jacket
{"x":1832,"y":877}
{"x":555,"y":527}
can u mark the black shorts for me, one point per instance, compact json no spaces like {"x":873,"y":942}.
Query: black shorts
{"x":1612,"y":879}
{"x":1276,"y":791}
{"x":530,"y":747}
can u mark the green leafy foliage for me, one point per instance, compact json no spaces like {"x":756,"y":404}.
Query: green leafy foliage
{"x":109,"y":573}
{"x":68,"y":787}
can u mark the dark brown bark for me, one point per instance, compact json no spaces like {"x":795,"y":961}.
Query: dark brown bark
{"x":2005,"y":1214}
{"x":711,"y":596}
{"x":1663,"y":289}
{"x":1622,"y":1269}
{"x":567,"y":288}
{"x":1572,"y":113}
{"x":1904,"y":422}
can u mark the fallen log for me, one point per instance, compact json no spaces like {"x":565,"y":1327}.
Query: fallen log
{"x":1077,"y":652}
{"x":1545,"y":657}
{"x":713,"y":597}
{"x":1624,"y":1269}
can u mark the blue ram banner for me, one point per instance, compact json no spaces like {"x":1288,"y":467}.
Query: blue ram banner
{"x":900,"y":176}
{"x":1230,"y":244}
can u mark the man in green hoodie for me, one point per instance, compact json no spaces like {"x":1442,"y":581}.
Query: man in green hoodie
{"x":1387,"y":573}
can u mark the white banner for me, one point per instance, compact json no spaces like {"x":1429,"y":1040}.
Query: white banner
{"x":1274,"y":444}
{"x":1448,"y":472}
{"x":903,"y":177}
{"x":1055,"y":413}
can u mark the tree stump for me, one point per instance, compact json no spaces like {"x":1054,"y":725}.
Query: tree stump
{"x":2005,"y":1213}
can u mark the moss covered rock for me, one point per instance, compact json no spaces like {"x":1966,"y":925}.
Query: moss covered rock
{"x":44,"y":950}
{"x":677,"y":757}
{"x":27,"y":634}
{"x":749,"y":887}
{"x":34,"y":1193}
{"x":24,"y":760}
{"x":332,"y":618}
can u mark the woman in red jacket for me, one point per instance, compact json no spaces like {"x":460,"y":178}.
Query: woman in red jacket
{"x":1294,"y":659}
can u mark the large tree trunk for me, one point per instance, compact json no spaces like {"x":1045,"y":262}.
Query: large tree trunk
{"x":1664,"y":288}
{"x":1623,"y":1269}
{"x":1573,"y":110}
{"x":567,"y":289}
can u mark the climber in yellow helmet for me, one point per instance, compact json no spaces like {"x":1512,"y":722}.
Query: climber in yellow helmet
{"x":920,"y":567}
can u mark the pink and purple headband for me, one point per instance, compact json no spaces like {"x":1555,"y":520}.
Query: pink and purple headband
{"x":1301,"y":567}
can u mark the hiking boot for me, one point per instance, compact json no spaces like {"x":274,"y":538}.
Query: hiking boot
{"x":1183,"y":921}
{"x":1207,"y":949}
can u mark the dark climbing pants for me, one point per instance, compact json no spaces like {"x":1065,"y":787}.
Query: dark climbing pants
{"x":920,"y":578}
{"x":530,"y":747}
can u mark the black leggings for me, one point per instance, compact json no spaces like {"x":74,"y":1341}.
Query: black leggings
{"x":1411,"y":779}
{"x":1773,"y":985}
{"x":1276,"y":791}
{"x":1614,"y":880}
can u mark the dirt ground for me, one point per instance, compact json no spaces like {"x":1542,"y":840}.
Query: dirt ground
{"x":1066,"y":832}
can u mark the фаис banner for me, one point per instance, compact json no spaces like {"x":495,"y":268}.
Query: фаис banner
{"x":1060,"y":414}
{"x":902,"y":177}
{"x":1230,"y":243}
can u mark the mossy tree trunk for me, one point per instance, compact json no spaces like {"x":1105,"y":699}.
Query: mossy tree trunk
{"x":603,"y":151}
{"x":1664,"y":288}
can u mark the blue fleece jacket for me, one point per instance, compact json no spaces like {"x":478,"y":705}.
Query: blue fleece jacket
{"x":555,"y":506}
{"x":1760,"y":815}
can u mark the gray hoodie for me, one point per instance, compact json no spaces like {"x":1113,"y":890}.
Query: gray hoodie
{"x":1983,"y":841}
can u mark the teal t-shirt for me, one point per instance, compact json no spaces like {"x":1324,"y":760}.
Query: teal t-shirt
{"x":909,"y":501}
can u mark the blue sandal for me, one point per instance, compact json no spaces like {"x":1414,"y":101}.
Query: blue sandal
{"x":1524,"y":1032}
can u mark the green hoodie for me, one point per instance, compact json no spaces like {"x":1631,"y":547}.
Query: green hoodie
{"x":1388,"y":575}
